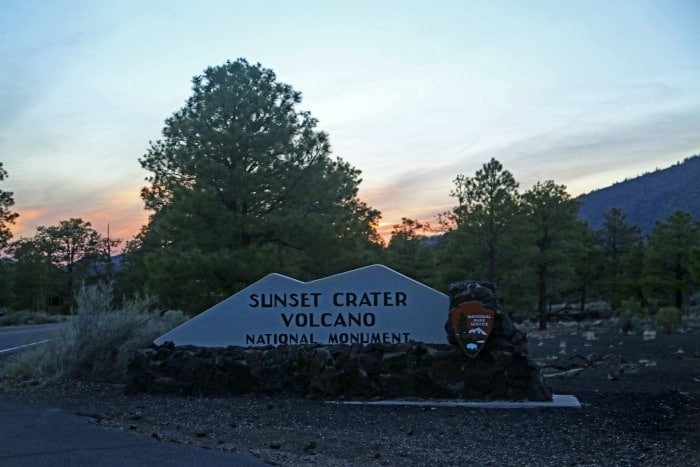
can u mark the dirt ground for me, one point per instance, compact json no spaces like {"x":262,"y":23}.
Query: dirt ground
{"x":640,"y":397}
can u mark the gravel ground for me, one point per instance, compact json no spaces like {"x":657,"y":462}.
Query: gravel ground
{"x":640,"y":405}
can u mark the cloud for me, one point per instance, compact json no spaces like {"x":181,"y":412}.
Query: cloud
{"x":582,"y":159}
{"x":411,"y":97}
{"x":119,"y":207}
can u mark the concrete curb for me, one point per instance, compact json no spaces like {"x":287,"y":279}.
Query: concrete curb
{"x":558,"y":401}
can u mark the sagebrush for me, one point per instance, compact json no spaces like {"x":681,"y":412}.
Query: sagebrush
{"x":668,"y":319}
{"x":98,"y":341}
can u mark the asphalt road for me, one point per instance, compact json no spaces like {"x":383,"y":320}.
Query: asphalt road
{"x":15,"y":338}
{"x":33,"y":435}
{"x":42,"y":436}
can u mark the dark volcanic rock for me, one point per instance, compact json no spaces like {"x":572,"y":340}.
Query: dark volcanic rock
{"x":504,"y":365}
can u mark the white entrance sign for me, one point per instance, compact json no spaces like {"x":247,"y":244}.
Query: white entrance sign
{"x":369,"y":305}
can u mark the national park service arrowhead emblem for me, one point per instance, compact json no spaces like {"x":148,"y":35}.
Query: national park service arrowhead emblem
{"x":472,"y":325}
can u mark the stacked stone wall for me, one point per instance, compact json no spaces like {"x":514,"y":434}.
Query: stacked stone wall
{"x":502,"y":371}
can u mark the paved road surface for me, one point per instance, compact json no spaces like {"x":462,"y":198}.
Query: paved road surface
{"x":43,"y":436}
{"x":15,"y":338}
{"x":39,"y":436}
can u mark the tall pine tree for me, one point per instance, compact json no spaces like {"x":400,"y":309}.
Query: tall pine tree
{"x":482,"y":244}
{"x":669,"y":262}
{"x":550,"y":220}
{"x":619,"y":238}
{"x":242,"y":184}
{"x":7,"y":216}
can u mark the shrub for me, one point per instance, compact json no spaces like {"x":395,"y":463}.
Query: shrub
{"x":668,"y":319}
{"x":98,"y":342}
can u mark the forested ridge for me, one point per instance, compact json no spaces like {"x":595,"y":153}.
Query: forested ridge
{"x":649,"y":197}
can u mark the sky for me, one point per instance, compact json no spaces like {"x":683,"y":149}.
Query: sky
{"x":412,"y":93}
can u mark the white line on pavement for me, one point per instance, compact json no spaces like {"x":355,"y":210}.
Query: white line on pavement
{"x":22,"y":346}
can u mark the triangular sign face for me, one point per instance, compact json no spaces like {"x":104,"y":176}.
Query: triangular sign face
{"x":472,"y":325}
{"x":369,"y":305}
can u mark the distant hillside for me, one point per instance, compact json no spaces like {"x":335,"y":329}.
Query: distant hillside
{"x":648,"y":198}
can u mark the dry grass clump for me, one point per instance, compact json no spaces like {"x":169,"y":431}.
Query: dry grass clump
{"x":97,"y":343}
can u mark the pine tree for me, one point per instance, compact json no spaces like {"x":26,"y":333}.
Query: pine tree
{"x":618,"y":238}
{"x":487,"y":205}
{"x":7,"y":217}
{"x":242,"y":184}
{"x":551,"y":223}
{"x":668,"y":262}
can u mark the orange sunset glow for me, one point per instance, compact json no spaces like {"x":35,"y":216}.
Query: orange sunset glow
{"x":122,"y":210}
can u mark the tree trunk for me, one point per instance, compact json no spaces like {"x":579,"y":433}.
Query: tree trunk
{"x":679,"y":290}
{"x":492,"y":263}
{"x":542,"y":299}
{"x":679,"y":299}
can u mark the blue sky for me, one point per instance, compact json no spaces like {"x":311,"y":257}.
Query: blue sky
{"x":411,"y":93}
